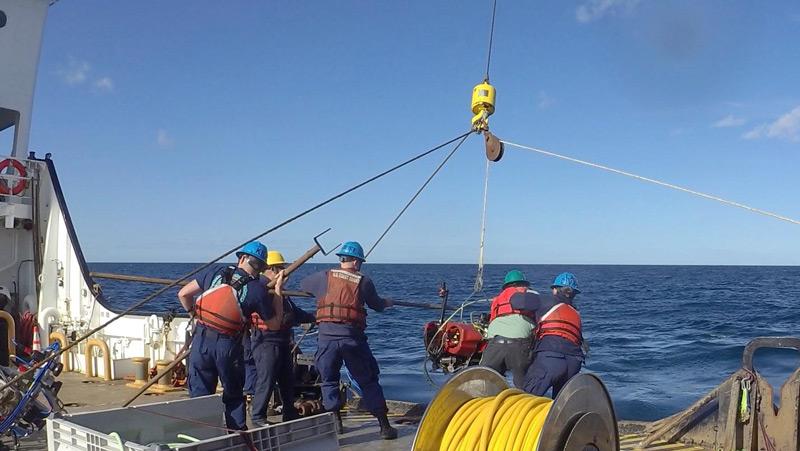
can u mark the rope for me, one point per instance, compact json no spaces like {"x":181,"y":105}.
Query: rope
{"x":202,"y":267}
{"x":419,"y":191}
{"x":491,"y":39}
{"x":479,"y":278}
{"x":512,"y":420}
{"x":656,"y":182}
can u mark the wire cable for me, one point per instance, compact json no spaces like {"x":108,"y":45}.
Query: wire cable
{"x":479,"y":278}
{"x":419,"y":191}
{"x":656,"y":182}
{"x":206,"y":265}
{"x":491,"y":39}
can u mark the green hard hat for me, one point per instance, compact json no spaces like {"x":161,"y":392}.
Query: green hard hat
{"x":515,"y":276}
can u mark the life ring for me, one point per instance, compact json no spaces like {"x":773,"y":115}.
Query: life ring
{"x":20,"y":185}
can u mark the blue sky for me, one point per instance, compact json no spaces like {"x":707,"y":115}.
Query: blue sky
{"x":180,"y":129}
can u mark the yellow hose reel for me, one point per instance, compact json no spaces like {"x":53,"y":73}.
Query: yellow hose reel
{"x":476,"y":410}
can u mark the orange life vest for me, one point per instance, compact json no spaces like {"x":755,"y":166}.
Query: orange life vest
{"x":287,"y":322}
{"x":342,"y":303}
{"x":562,"y":321}
{"x":218,"y":307}
{"x":501,"y":305}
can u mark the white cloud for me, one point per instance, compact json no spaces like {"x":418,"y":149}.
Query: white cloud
{"x":163,"y":140}
{"x":102,"y":85}
{"x":729,"y":121}
{"x":596,"y":9}
{"x":787,"y":127}
{"x":75,"y":73}
{"x":546,"y":100}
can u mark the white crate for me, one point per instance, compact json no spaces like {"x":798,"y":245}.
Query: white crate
{"x":202,"y":418}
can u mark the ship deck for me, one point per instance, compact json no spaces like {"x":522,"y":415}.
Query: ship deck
{"x":361,"y":430}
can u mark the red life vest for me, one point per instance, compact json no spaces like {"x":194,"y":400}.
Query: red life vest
{"x":218,"y":307}
{"x":287,"y":322}
{"x":562,"y":321}
{"x":342,"y":303}
{"x":501,"y":305}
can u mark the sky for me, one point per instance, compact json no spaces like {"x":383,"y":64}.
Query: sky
{"x":181,"y":129}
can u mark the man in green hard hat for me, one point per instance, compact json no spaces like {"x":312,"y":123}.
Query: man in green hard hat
{"x":511,"y":329}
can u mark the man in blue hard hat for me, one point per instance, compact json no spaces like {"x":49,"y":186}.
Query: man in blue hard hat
{"x":227,"y":296}
{"x":510,"y":330}
{"x":557,"y":354}
{"x":342,"y":295}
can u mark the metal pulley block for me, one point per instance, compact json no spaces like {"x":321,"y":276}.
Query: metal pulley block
{"x":494,"y":148}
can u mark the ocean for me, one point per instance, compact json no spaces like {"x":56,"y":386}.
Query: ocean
{"x":660,"y":336}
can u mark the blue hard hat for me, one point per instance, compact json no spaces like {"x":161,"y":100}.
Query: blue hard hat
{"x":255,"y":249}
{"x":352,"y":249}
{"x":566,"y":279}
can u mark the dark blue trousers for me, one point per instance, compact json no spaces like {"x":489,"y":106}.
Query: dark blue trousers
{"x":355,"y":352}
{"x":274,"y":363}
{"x":249,"y":367}
{"x":550,"y":369}
{"x":215,"y":355}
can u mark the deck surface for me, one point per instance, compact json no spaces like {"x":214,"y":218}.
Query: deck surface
{"x":361,"y":429}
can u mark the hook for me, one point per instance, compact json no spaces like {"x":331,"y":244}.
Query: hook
{"x":319,"y":245}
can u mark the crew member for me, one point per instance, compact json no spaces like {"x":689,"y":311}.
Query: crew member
{"x":341,"y":298}
{"x":510,"y":331}
{"x":227,"y":296}
{"x":272,"y":350}
{"x":557,"y":354}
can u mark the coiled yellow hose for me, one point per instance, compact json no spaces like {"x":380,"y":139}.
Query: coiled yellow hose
{"x":510,"y":421}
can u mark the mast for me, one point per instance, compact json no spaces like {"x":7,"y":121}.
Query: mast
{"x":21,"y":30}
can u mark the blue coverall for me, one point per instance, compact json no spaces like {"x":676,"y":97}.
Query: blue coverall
{"x":272,"y":352}
{"x":338,"y":342}
{"x":250,"y":372}
{"x":555,"y":359}
{"x":218,"y":355}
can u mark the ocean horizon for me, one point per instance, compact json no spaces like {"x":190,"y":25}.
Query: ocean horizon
{"x":661,"y":336}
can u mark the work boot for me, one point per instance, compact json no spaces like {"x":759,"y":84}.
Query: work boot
{"x":337,"y":415}
{"x":387,"y":431}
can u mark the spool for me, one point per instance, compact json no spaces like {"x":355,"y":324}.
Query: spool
{"x":581,"y":417}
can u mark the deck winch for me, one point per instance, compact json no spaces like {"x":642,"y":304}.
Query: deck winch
{"x":476,"y":410}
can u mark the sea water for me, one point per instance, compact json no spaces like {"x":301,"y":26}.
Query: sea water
{"x":660,"y":336}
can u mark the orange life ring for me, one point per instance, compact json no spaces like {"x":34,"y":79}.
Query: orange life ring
{"x":20,"y":185}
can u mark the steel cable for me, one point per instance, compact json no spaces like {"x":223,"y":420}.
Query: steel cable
{"x":656,"y":182}
{"x":206,"y":265}
{"x":491,"y":40}
{"x":419,"y":191}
